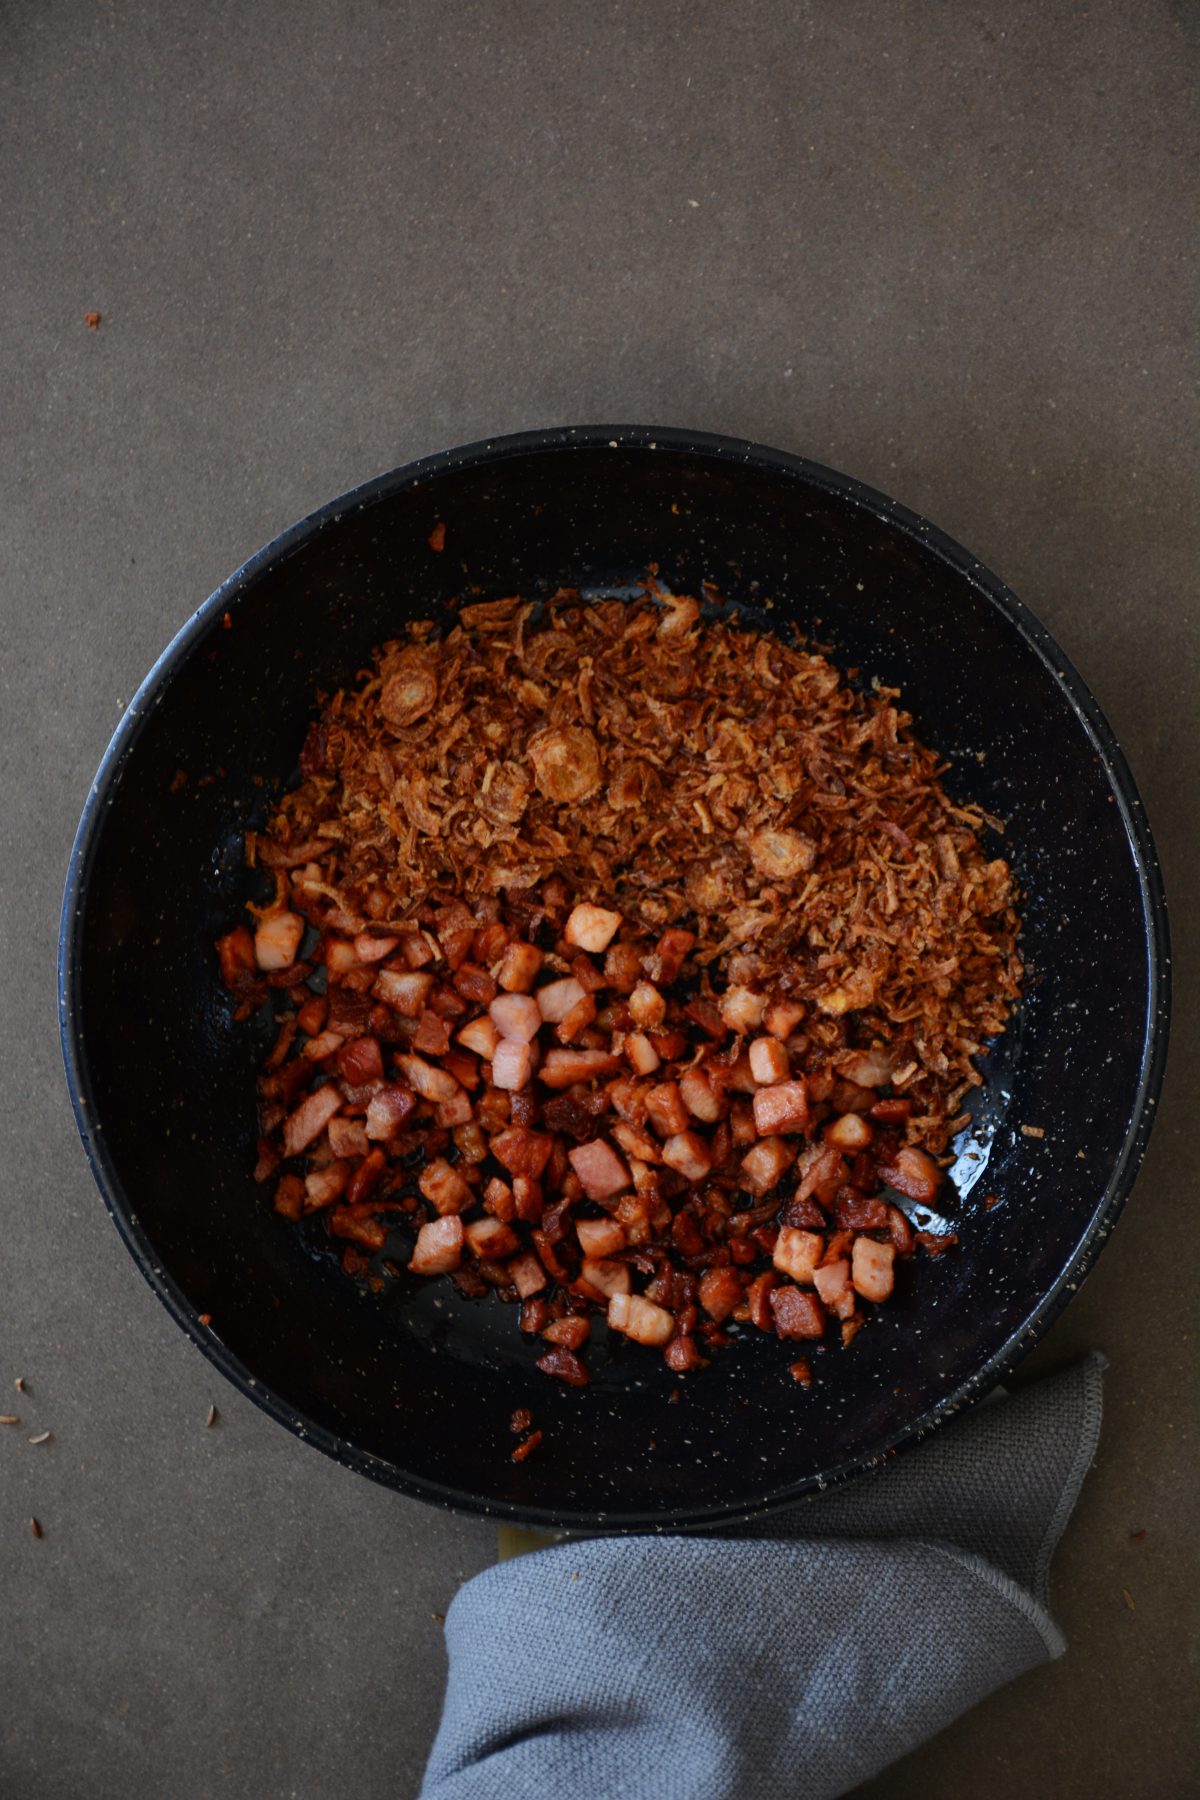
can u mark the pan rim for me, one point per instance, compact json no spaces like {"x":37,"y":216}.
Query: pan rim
{"x":720,"y":449}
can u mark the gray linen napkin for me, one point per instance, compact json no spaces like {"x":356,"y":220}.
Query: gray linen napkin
{"x":796,"y":1655}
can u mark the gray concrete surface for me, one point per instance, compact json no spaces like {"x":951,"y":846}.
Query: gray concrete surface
{"x":943,"y":246}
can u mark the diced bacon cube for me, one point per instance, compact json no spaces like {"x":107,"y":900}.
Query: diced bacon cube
{"x":563,"y":1068}
{"x":682,"y":1355}
{"x":600,"y":1237}
{"x":405,"y":990}
{"x":516,"y":1017}
{"x":519,"y":968}
{"x":643,"y":1057}
{"x":872,"y":1268}
{"x":358,"y":1224}
{"x":387,"y":1110}
{"x":765,"y":1165}
{"x":339,"y":957}
{"x":704,"y":1098}
{"x":323,"y":1186}
{"x":310,"y":1118}
{"x":913,"y":1174}
{"x":432,"y":1036}
{"x":564,"y":1364}
{"x":600,"y":1170}
{"x":326,"y":1043}
{"x":605,"y":1276}
{"x":512,"y":1065}
{"x":832,"y":1282}
{"x":797,"y":1314}
{"x":622,"y":966}
{"x":577,"y":1020}
{"x":526,"y":1274}
{"x":647,"y":1006}
{"x":555,"y":1000}
{"x":782,"y":1017}
{"x":498,"y":1200}
{"x":669,"y":955}
{"x":277,"y":940}
{"x":361,"y":1061}
{"x":480,"y":1036}
{"x":450,"y":1114}
{"x":720,"y":1291}
{"x":491,"y":1239}
{"x":522,"y":1152}
{"x":637,"y":1143}
{"x":348,"y":1137}
{"x":768,"y":1060}
{"x":781,"y":1108}
{"x":571,"y":1332}
{"x":369,"y":948}
{"x":365,"y":1176}
{"x":439,"y":1247}
{"x":667,"y":1112}
{"x":417,"y":949}
{"x":443,"y":1187}
{"x":688,"y":1155}
{"x":425,"y":1079}
{"x":640,"y":1319}
{"x":850,"y":1132}
{"x":797,"y":1253}
{"x":289,"y":1197}
{"x":591,"y":928}
{"x":822,"y":1172}
{"x":742,"y":1009}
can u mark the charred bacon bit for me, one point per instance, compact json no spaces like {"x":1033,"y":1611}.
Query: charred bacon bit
{"x":797,"y":1314}
{"x":565,"y":1365}
{"x":913,"y":1174}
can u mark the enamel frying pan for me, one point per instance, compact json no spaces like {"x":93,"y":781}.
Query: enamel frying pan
{"x":415,"y":1386}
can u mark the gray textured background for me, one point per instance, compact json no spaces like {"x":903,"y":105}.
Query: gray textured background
{"x":942,"y":246}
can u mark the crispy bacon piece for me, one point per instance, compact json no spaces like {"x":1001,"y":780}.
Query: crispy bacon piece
{"x":913,"y":1174}
{"x":277,"y":940}
{"x":797,"y":1314}
{"x":872,"y":1268}
{"x":565,"y":1365}
{"x":387,"y":1111}
{"x":599,"y":1168}
{"x":640,"y":1319}
{"x":563,"y":1068}
{"x":310,"y":1118}
{"x":797,"y":1253}
{"x":591,"y":928}
{"x":439,"y":1246}
{"x":765,"y":1166}
{"x":782,"y":1108}
{"x":558,"y":998}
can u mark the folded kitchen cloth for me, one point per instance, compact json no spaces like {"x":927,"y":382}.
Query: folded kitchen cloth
{"x":796,"y":1654}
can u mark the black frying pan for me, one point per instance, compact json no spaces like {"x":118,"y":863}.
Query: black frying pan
{"x":415,"y":1387}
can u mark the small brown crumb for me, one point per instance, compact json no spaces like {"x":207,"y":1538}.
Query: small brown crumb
{"x":521,"y":1420}
{"x":206,"y":1318}
{"x":1127,"y":1597}
{"x":1033,"y":1131}
{"x":92,"y":320}
{"x":438,"y":1618}
{"x":19,"y":1384}
{"x":178,"y":780}
{"x":437,"y":537}
{"x":801,"y":1371}
{"x":527,"y":1447}
{"x":675,"y":1396}
{"x":1138,"y":1537}
{"x":990,"y":1200}
{"x":35,"y":1528}
{"x":227,"y":621}
{"x":40,"y":1437}
{"x":9,"y":1419}
{"x":212,"y":1416}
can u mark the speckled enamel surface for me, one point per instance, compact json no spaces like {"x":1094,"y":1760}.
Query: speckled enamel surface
{"x":415,"y":1387}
